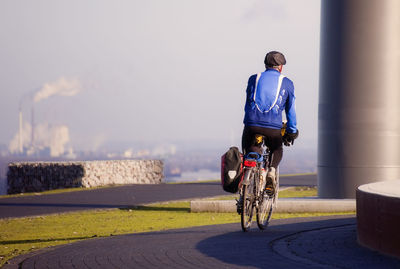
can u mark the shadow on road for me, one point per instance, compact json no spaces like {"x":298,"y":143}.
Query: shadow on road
{"x":255,"y":249}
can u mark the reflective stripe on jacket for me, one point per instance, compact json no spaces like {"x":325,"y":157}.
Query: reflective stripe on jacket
{"x":268,"y":94}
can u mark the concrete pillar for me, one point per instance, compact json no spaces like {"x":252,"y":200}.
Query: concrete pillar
{"x":359,"y":102}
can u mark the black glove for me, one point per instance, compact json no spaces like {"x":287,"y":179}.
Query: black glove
{"x":288,"y":138}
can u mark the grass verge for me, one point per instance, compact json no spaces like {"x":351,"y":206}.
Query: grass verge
{"x":291,"y":192}
{"x":22,"y":235}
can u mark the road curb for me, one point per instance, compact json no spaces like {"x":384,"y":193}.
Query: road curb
{"x":285,"y":205}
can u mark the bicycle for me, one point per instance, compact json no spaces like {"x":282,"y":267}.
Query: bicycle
{"x":253,"y":192}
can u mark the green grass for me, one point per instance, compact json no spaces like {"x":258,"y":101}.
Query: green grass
{"x":298,"y":192}
{"x":22,"y":235}
{"x":285,"y":193}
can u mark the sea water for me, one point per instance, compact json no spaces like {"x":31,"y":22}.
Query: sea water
{"x":193,"y":176}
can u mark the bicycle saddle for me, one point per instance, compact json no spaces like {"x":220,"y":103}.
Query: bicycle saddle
{"x":254,"y":156}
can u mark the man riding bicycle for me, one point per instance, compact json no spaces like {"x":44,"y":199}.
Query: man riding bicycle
{"x":268,"y":95}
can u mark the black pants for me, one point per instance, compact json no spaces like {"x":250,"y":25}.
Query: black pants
{"x":273,"y":140}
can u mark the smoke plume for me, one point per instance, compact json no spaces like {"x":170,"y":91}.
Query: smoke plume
{"x":62,"y":86}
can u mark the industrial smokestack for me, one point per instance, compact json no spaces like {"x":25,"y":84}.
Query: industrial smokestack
{"x":32,"y":126}
{"x":42,"y":136}
{"x":20,"y":141}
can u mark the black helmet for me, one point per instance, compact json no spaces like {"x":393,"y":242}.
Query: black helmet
{"x":274,"y":58}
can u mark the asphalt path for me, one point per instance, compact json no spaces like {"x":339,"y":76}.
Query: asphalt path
{"x":121,"y":197}
{"x":321,"y":242}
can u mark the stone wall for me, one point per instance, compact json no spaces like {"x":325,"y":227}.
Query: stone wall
{"x":40,"y":176}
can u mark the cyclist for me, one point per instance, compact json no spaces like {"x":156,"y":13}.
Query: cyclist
{"x":269,"y":94}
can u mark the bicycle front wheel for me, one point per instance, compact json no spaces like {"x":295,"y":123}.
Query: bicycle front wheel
{"x":264,"y":210}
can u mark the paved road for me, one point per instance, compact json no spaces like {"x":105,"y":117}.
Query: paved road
{"x":323,"y":242}
{"x":120,"y":197}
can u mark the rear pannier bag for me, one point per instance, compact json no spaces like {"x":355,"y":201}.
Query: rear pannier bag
{"x":231,"y":170}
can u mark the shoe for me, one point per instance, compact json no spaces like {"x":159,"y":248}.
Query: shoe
{"x":271,"y":180}
{"x":239,"y":204}
{"x":263,"y":178}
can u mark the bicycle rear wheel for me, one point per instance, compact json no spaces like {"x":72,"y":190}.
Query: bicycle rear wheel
{"x":247,"y":206}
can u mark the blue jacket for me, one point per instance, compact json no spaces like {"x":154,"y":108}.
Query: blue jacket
{"x":268,"y":94}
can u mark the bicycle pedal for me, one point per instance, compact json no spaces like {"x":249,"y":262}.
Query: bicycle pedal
{"x":269,"y":191}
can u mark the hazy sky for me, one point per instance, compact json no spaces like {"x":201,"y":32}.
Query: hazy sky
{"x":152,"y":70}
